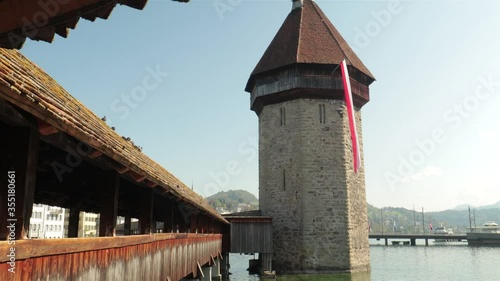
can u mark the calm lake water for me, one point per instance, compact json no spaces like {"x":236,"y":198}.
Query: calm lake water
{"x":438,"y":261}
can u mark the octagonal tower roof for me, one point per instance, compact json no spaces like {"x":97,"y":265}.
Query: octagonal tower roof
{"x":307,"y":37}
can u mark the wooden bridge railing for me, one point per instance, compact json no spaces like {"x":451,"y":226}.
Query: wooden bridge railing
{"x":165,"y":256}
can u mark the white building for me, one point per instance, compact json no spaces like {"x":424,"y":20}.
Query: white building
{"x":88,"y":225}
{"x":47,"y":222}
{"x":52,"y":222}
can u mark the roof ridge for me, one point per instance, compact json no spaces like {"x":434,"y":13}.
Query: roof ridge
{"x":300,"y":33}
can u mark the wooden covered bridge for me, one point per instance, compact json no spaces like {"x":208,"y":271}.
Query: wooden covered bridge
{"x":57,"y":152}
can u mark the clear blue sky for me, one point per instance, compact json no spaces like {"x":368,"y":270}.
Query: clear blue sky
{"x":429,"y":58}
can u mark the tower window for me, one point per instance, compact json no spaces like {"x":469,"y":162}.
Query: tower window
{"x":284,"y":179}
{"x":322,"y":114}
{"x":282,"y":116}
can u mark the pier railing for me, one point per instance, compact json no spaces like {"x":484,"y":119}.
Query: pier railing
{"x":416,"y":236}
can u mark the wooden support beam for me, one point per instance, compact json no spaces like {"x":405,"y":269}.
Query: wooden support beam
{"x":45,"y":34}
{"x":180,"y":220}
{"x":72,"y":22}
{"x":14,"y":40}
{"x":45,"y":128}
{"x":151,"y":184}
{"x":12,"y":11}
{"x":94,"y":154}
{"x":201,"y":270}
{"x":19,"y":150}
{"x":62,"y":30}
{"x":168,"y":223}
{"x":136,"y":4}
{"x":109,"y":190}
{"x":127,"y":225}
{"x":74,"y":219}
{"x":122,"y":170}
{"x":146,"y":212}
{"x":11,"y":115}
{"x":193,"y":223}
{"x":137,"y":177}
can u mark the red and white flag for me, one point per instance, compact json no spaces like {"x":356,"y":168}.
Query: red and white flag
{"x":352,"y":118}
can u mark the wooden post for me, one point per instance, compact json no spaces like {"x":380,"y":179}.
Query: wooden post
{"x":193,"y":222}
{"x":74,"y":219}
{"x":173,"y":225}
{"x":169,"y":219}
{"x":146,"y":212}
{"x":19,"y":152}
{"x":127,"y":225}
{"x":108,"y":192}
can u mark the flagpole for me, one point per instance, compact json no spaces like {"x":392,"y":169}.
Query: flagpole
{"x":423,"y":221}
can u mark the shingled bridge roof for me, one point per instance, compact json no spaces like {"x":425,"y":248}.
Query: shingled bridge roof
{"x":27,"y":86}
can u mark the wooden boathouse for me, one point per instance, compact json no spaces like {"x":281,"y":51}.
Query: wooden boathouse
{"x":55,"y":151}
{"x":251,"y":233}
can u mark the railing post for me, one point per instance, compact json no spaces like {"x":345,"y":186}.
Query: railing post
{"x":109,"y":190}
{"x":146,"y":212}
{"x":193,"y":221}
{"x":127,"y":224}
{"x":74,"y":218}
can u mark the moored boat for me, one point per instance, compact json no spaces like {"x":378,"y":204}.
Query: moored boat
{"x":486,"y":235}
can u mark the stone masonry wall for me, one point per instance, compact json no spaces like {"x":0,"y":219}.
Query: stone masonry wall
{"x":308,"y":186}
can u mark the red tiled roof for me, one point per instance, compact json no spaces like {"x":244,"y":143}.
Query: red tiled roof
{"x":28,"y":87}
{"x":308,"y":36}
{"x":41,"y":20}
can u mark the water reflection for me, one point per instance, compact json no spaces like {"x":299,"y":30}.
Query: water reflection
{"x":239,"y":265}
{"x":337,"y":277}
{"x":450,"y":261}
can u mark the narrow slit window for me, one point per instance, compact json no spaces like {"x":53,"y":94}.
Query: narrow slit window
{"x":322,"y":114}
{"x":283,"y":116}
{"x":284,"y":179}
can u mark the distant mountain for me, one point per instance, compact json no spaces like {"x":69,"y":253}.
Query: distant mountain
{"x":392,"y":219}
{"x":462,"y":207}
{"x":466,"y":207}
{"x":233,"y":201}
{"x":493,"y":206}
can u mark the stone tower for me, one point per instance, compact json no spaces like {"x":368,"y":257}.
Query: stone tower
{"x":306,"y":177}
